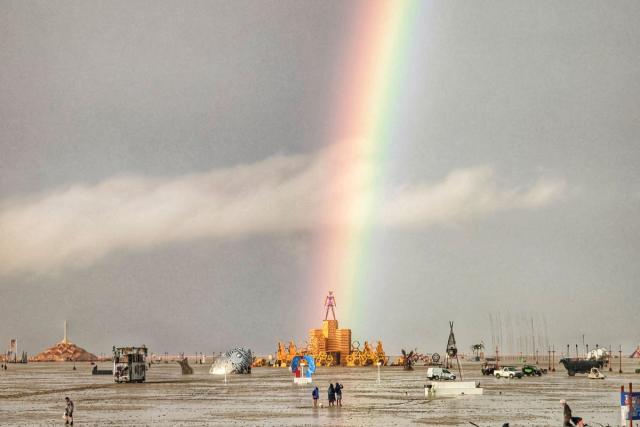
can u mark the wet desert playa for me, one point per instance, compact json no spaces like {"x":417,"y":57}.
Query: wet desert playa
{"x":33,"y":394}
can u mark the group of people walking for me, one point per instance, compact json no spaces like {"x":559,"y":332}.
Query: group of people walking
{"x":334,"y":395}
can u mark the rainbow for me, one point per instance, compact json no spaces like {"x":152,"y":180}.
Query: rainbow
{"x":375,"y":62}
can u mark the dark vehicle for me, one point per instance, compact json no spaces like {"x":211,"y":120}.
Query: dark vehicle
{"x":531,"y":370}
{"x":96,"y":371}
{"x":580,"y":366}
{"x":488,"y":368}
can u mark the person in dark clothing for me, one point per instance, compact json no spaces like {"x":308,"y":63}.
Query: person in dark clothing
{"x":570,"y":420}
{"x":338,"y":389}
{"x":68,"y":412}
{"x":316,"y":395}
{"x":332,"y":395}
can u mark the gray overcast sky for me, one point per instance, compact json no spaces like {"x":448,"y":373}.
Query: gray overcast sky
{"x":160,"y":161}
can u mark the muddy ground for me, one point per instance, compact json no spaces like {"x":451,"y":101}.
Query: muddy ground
{"x":34,"y":394}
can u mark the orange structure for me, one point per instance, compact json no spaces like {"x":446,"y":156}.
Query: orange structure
{"x":331,"y":340}
{"x":331,"y":346}
{"x":65,"y":351}
{"x":284,"y":356}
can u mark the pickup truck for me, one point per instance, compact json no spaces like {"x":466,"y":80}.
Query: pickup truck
{"x":507,"y":372}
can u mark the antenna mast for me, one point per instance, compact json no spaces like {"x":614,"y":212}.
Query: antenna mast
{"x":65,"y":340}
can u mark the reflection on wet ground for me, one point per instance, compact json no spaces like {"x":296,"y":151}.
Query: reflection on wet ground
{"x":34,"y":394}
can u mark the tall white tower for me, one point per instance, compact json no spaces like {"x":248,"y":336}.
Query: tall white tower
{"x":65,"y":340}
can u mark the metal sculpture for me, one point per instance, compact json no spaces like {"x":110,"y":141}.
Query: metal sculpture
{"x":330,"y":303}
{"x":408,"y":359}
{"x":477,"y":350}
{"x":452,"y":349}
{"x":415,"y":357}
{"x":235,"y":361}
{"x":184,"y":366}
{"x":367,"y":356}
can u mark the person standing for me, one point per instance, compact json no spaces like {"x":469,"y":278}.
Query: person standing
{"x":332,"y":395}
{"x":338,"y":389}
{"x":570,"y":420}
{"x":68,"y":412}
{"x":330,"y":303}
{"x":316,"y":395}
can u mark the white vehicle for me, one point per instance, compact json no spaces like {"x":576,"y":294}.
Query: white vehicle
{"x":595,"y":374}
{"x":507,"y":372}
{"x":440,"y":374}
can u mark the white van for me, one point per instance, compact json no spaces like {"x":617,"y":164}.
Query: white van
{"x":440,"y":374}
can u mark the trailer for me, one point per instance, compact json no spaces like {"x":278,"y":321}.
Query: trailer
{"x":129,"y":364}
{"x":96,"y":371}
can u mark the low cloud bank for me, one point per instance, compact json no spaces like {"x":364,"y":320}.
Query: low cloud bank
{"x":76,"y":226}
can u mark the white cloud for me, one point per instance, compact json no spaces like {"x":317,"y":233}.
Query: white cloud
{"x":462,"y":195}
{"x":78,"y":225}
